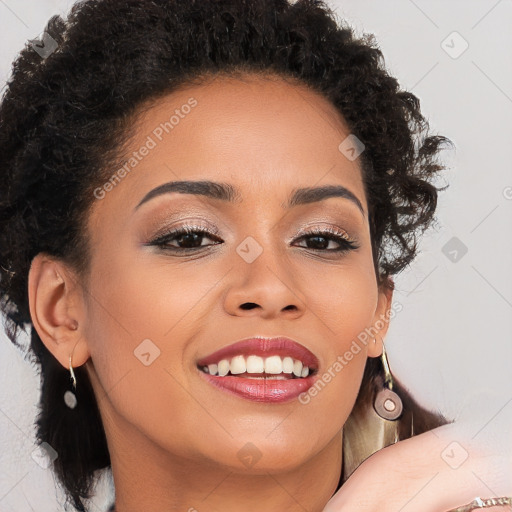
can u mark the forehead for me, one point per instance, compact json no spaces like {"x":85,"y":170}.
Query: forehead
{"x":261,"y":135}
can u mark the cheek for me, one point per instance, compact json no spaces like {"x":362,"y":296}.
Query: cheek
{"x":138,"y":336}
{"x":344,"y":300}
{"x":140,"y":321}
{"x":141,"y":298}
{"x":343,"y":296}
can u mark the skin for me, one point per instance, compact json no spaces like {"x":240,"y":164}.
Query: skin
{"x":174,"y":439}
{"x":418,"y":479}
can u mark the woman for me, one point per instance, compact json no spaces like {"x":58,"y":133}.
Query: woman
{"x":203,"y":205}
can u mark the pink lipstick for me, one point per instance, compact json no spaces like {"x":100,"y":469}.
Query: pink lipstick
{"x":261,"y":369}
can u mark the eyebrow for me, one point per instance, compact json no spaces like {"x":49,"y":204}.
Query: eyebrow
{"x":228,"y":193}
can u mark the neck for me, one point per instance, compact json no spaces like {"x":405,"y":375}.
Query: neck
{"x":146,"y":477}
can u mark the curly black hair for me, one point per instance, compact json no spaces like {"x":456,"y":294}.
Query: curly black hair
{"x":65,"y":118}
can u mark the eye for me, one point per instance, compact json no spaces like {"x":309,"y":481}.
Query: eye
{"x":187,"y":238}
{"x":322,"y":238}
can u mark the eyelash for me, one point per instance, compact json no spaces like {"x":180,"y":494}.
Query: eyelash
{"x":346,"y":244}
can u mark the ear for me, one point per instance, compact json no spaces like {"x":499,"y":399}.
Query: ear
{"x":381,"y":318}
{"x":57,"y":309}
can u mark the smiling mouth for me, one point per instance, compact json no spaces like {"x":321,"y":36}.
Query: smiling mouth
{"x":273,"y":367}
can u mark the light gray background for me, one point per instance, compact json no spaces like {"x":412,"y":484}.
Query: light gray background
{"x":451,"y":343}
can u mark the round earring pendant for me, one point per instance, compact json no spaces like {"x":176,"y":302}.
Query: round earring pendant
{"x":388,"y":404}
{"x":70,"y":399}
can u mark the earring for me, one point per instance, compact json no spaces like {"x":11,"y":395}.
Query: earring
{"x":72,"y":373}
{"x":74,"y":326}
{"x":377,"y":420}
{"x":387,"y":403}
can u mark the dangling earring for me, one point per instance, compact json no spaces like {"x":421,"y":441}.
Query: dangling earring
{"x":74,"y":327}
{"x":374,"y":426}
{"x":72,"y":373}
{"x":387,"y":404}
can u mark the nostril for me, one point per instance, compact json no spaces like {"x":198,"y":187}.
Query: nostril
{"x":248,"y":305}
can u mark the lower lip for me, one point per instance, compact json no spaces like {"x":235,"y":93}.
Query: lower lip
{"x":262,"y":390}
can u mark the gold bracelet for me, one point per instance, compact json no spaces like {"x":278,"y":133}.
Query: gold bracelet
{"x":480,"y":503}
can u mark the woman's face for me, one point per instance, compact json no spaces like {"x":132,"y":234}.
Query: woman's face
{"x":154,"y":311}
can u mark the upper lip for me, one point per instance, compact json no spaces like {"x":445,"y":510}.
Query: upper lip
{"x":264,"y":347}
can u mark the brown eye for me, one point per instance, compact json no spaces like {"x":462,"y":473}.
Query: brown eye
{"x":186,"y":238}
{"x":319,"y":240}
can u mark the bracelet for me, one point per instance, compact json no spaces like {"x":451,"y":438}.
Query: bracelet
{"x":480,"y":503}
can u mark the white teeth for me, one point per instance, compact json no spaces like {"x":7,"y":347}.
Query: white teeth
{"x":255,"y":364}
{"x":287,"y":365}
{"x":237,"y":365}
{"x":297,"y":368}
{"x":223,"y":367}
{"x":272,"y":365}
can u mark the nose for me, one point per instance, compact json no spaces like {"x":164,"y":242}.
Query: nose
{"x":265,"y":287}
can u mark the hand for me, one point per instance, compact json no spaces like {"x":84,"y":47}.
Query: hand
{"x":436,"y":471}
